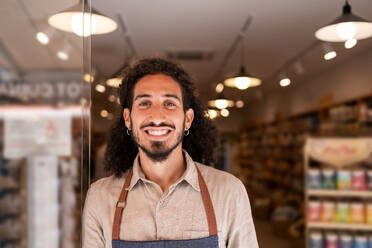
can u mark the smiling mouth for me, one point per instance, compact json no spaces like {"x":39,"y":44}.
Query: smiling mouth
{"x":156,"y":132}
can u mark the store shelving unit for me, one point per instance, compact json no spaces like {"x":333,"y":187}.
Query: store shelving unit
{"x":339,"y":226}
{"x":339,"y":193}
{"x":271,"y":154}
{"x":334,"y":153}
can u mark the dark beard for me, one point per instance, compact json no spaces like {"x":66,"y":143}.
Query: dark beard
{"x":158,"y":154}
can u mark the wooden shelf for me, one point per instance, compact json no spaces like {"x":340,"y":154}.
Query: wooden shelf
{"x":339,"y":193}
{"x":339,"y":226}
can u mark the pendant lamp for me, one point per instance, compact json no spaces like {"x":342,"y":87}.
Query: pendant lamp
{"x":242,"y":80}
{"x":221,"y":102}
{"x":345,"y":27}
{"x":83,"y":24}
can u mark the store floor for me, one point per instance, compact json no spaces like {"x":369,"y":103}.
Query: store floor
{"x":266,"y":239}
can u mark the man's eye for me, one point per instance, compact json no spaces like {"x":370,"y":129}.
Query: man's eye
{"x":170,"y":104}
{"x":144,"y":104}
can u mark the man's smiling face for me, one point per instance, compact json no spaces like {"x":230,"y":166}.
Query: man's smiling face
{"x":157,"y":118}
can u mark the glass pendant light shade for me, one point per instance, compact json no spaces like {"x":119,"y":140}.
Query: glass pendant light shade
{"x":82,"y":24}
{"x":243,"y":80}
{"x":221,"y":102}
{"x":345,"y":27}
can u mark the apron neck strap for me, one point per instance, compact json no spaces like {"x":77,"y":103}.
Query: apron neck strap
{"x":120,"y":206}
{"x":207,"y":202}
{"x":208,"y":206}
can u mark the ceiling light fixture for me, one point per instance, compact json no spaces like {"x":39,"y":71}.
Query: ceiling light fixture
{"x":345,"y":27}
{"x":104,"y":113}
{"x":45,"y":34}
{"x":239,"y":104}
{"x":42,"y":38}
{"x":83,"y":24}
{"x":88,"y":78}
{"x":212,"y":113}
{"x":221,"y":102}
{"x":100,"y":88}
{"x":219,"y":87}
{"x":350,"y":43}
{"x":224,"y":112}
{"x":329,"y":52}
{"x":64,"y":54}
{"x":242,"y":80}
{"x":284,"y":80}
{"x":114,"y":82}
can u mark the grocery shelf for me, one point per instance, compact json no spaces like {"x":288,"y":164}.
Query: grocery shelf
{"x":339,"y":226}
{"x":339,"y":193}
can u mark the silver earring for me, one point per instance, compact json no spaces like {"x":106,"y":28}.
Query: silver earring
{"x":187,"y":132}
{"x":128,"y":132}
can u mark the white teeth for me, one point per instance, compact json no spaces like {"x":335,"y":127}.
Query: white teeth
{"x":157,"y":132}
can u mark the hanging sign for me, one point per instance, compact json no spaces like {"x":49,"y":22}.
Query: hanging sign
{"x":339,"y":151}
{"x":37,"y":134}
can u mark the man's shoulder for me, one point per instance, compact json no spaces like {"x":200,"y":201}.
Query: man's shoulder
{"x":107,"y":184}
{"x":218,"y":178}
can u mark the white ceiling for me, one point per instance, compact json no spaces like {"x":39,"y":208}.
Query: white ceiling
{"x":278,"y":32}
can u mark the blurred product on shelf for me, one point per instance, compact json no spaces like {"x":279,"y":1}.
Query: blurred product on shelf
{"x":316,"y":240}
{"x":358,"y":181}
{"x":343,"y":212}
{"x":314,"y":179}
{"x":339,"y":240}
{"x":314,"y":211}
{"x":329,"y":179}
{"x":355,"y":180}
{"x":331,"y":240}
{"x":344,"y":179}
{"x":328,"y":211}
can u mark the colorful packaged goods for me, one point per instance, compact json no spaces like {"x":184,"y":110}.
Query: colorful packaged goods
{"x":314,"y":179}
{"x":314,"y":211}
{"x":358,"y":180}
{"x":343,"y":212}
{"x":344,"y":180}
{"x":316,"y":240}
{"x":346,"y":241}
{"x":331,"y":240}
{"x":329,"y":179}
{"x":357,"y":211}
{"x":328,"y":212}
{"x":360,"y":242}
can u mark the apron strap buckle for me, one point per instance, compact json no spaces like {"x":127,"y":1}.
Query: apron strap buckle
{"x":120,"y":204}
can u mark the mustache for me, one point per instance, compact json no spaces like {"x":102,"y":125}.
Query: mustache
{"x":162,"y":124}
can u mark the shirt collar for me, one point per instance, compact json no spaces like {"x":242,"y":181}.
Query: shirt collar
{"x":190,"y":175}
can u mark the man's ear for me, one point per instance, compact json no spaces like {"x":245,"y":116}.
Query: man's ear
{"x":189,"y":117}
{"x":126,"y":116}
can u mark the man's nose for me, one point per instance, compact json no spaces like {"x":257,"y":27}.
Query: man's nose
{"x":157,"y":114}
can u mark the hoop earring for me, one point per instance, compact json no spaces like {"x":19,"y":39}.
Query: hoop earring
{"x":128,"y":132}
{"x":187,"y":132}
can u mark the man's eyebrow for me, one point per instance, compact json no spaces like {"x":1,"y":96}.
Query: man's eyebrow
{"x":172,"y":96}
{"x":142,"y":96}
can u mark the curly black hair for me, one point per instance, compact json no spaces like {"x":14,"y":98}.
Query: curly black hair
{"x":200,"y":143}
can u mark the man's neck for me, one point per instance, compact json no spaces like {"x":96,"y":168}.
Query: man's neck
{"x":164,"y":173}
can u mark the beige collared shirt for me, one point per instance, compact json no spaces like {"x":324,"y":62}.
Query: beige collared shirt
{"x":178,"y":213}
